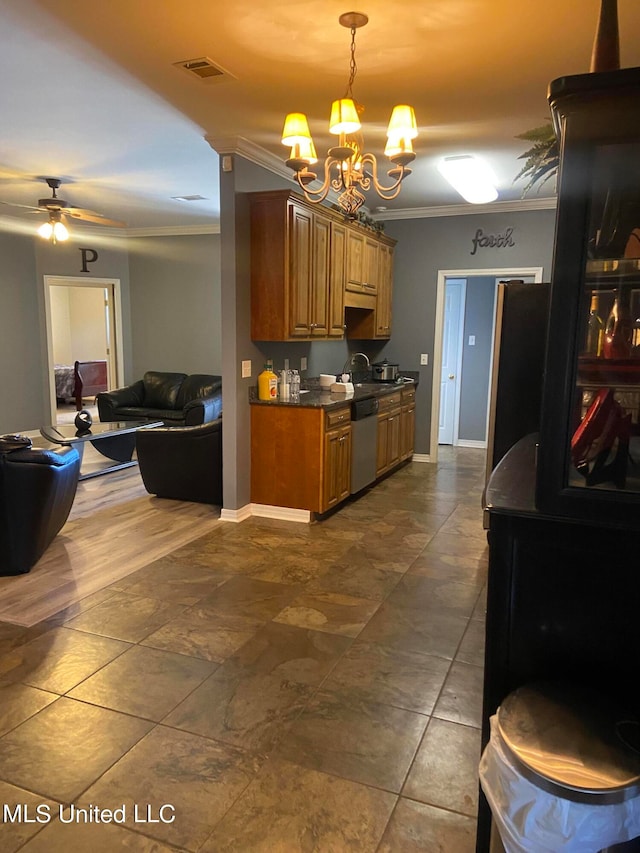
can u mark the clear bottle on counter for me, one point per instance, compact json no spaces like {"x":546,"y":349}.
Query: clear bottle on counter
{"x":285,"y":385}
{"x":294,"y":390}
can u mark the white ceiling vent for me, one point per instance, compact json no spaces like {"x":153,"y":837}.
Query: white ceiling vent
{"x":204,"y":68}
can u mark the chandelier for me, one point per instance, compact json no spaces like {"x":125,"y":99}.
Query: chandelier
{"x":348,"y":169}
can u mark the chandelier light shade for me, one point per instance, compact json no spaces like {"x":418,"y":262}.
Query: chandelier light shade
{"x":348,"y":169}
{"x":470,"y":177}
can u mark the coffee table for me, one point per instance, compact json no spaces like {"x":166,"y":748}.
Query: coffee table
{"x":113,"y":439}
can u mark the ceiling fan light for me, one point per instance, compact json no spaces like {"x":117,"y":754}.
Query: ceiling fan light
{"x":60,"y":232}
{"x":344,"y":117}
{"x":470,"y":177}
{"x":402,"y":123}
{"x":46,"y":230}
{"x":296,"y":130}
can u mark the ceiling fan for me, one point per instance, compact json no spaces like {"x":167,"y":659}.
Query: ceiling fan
{"x":56,"y":208}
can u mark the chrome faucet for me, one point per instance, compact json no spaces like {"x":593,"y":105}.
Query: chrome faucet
{"x":351,"y":362}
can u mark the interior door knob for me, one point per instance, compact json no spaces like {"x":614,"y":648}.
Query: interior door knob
{"x":452,"y":376}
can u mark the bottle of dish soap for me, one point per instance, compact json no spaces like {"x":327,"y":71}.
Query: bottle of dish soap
{"x":267,"y":384}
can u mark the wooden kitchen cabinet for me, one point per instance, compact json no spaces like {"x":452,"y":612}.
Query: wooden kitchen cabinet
{"x":388,"y":444}
{"x":407,"y":423}
{"x":337,"y":467}
{"x":300,"y":457}
{"x":385,"y":291}
{"x":290,"y":268}
{"x":362,"y":262}
{"x":355,"y":261}
{"x":308,"y":264}
{"x":338,"y":275}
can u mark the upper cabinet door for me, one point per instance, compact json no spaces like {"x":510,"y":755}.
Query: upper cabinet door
{"x":337,"y":281}
{"x":301,"y":271}
{"x":355,"y":261}
{"x":321,"y":268}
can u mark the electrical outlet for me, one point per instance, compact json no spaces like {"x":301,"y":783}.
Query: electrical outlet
{"x":472,"y":340}
{"x":246,"y":369}
{"x":303,"y":363}
{"x":424,"y":358}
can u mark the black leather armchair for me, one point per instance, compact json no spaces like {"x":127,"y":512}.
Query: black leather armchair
{"x":184,"y":463}
{"x":176,"y":399}
{"x":37,"y":488}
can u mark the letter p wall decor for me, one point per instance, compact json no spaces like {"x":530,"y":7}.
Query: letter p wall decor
{"x":89,"y":256}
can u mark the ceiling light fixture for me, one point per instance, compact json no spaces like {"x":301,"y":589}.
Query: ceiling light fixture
{"x":348,"y":170}
{"x":470,"y":177}
{"x":54,"y":230}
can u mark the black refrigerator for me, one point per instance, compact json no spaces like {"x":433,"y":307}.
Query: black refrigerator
{"x":522,"y":312}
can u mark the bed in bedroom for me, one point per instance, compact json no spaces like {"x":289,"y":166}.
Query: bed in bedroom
{"x":82,"y":379}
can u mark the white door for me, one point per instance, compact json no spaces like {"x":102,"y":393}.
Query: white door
{"x":449,"y":376}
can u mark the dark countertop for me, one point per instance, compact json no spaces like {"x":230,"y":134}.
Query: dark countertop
{"x":314,"y":398}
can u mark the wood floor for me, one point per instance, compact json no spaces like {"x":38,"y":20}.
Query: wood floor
{"x":115,"y":527}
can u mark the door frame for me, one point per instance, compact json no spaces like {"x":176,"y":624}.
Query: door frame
{"x":498,"y":272}
{"x":113,"y":284}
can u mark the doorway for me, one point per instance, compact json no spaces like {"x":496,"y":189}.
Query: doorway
{"x":83,"y":322}
{"x":449,"y":344}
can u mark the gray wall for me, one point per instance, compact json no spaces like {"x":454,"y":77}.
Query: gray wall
{"x":175,"y":304}
{"x":21,"y":353}
{"x":445,"y":243}
{"x":476,"y":360}
{"x":25,"y":260}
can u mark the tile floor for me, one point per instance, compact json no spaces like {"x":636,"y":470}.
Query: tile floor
{"x":275,"y":687}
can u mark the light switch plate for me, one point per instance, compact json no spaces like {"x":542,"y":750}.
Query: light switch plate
{"x":246,"y":369}
{"x":303,"y":363}
{"x":472,"y":340}
{"x":424,"y":358}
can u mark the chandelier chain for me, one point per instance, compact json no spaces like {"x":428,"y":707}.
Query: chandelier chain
{"x":353,"y":68}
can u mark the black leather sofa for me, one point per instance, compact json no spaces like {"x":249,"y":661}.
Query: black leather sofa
{"x":37,"y":488}
{"x":184,"y":463}
{"x":176,"y":399}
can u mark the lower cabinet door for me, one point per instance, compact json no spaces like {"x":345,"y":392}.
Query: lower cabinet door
{"x":337,"y":467}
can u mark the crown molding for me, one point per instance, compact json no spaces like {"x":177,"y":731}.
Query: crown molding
{"x":468,"y":209}
{"x":250,"y":151}
{"x":171,"y":230}
{"x":259,"y":156}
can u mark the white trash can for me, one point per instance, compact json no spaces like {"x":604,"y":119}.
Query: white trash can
{"x":561,"y":772}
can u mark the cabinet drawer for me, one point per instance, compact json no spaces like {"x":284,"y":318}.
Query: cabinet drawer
{"x":337,"y":417}
{"x":408,"y":394}
{"x":391,"y":401}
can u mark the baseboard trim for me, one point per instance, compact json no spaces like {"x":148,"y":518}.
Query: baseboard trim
{"x":467,"y":442}
{"x":283,"y":513}
{"x":236,"y":515}
{"x":421,"y":457}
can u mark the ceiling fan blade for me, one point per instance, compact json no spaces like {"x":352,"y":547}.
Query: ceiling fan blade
{"x":25,"y":206}
{"x":91,"y":216}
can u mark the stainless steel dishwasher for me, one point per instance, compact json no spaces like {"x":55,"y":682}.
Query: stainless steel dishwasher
{"x":364,"y":441}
